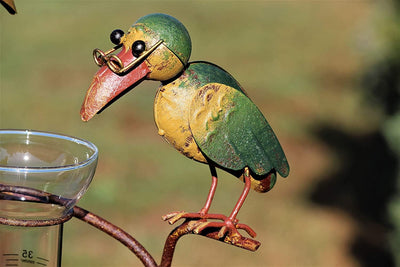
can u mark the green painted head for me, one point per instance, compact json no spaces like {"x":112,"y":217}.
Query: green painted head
{"x":171,"y":30}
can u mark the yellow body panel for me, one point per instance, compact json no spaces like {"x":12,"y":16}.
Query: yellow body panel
{"x":174,"y":107}
{"x":171,"y":114}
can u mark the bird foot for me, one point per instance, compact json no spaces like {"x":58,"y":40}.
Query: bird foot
{"x":228,"y":227}
{"x":173,"y":217}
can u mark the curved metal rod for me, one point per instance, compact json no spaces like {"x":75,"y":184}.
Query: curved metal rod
{"x":117,"y":233}
{"x":9,"y":192}
{"x":136,"y":61}
{"x":102,"y":58}
{"x":115,"y":64}
{"x":16,"y":193}
{"x":187,"y":227}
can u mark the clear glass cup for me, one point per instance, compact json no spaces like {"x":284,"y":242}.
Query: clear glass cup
{"x":57,"y":169}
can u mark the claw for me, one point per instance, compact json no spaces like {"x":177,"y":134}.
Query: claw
{"x":222,"y":232}
{"x":173,"y":217}
{"x":200,"y":223}
{"x":200,"y":227}
{"x":192,"y":225}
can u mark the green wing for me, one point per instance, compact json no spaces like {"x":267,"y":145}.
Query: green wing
{"x":231,"y":131}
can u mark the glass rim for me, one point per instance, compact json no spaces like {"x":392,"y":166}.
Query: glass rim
{"x":67,"y":167}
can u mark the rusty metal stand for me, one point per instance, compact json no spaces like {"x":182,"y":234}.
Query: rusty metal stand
{"x":187,"y":228}
{"x":33,"y":195}
{"x":117,"y":233}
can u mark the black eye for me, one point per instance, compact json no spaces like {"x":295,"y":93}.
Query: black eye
{"x":138,"y":47}
{"x":116,"y":35}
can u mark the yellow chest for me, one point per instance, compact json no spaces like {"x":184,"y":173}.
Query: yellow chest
{"x":171,"y":114}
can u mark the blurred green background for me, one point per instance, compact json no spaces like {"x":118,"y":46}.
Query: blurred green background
{"x":325,"y":74}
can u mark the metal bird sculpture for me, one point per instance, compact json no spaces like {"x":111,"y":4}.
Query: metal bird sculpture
{"x":199,"y":108}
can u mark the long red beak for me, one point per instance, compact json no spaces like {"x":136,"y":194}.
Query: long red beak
{"x":107,"y":85}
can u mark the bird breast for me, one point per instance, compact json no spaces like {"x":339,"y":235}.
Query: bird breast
{"x":171,"y":114}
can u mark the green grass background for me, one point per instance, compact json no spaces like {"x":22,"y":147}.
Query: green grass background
{"x":300,"y":62}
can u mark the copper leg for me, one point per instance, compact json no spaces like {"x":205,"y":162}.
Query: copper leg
{"x":229,"y":224}
{"x":211,"y":194}
{"x":242,"y":197}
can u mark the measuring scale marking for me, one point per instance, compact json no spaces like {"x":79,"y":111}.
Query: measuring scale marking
{"x":10,"y":260}
{"x":27,"y":257}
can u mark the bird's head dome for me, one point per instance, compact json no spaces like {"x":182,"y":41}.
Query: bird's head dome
{"x":170,"y":30}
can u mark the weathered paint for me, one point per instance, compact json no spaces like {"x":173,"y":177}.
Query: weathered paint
{"x":200,"y":73}
{"x":173,"y":101}
{"x":171,"y":114}
{"x":160,"y":65}
{"x":163,"y":63}
{"x":261,"y":183}
{"x":197,"y":114}
{"x":107,"y":85}
{"x":172,"y":104}
{"x":171,"y":30}
{"x":204,"y":112}
{"x":232,"y":132}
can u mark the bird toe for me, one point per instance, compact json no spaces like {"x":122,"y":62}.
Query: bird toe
{"x":173,"y":217}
